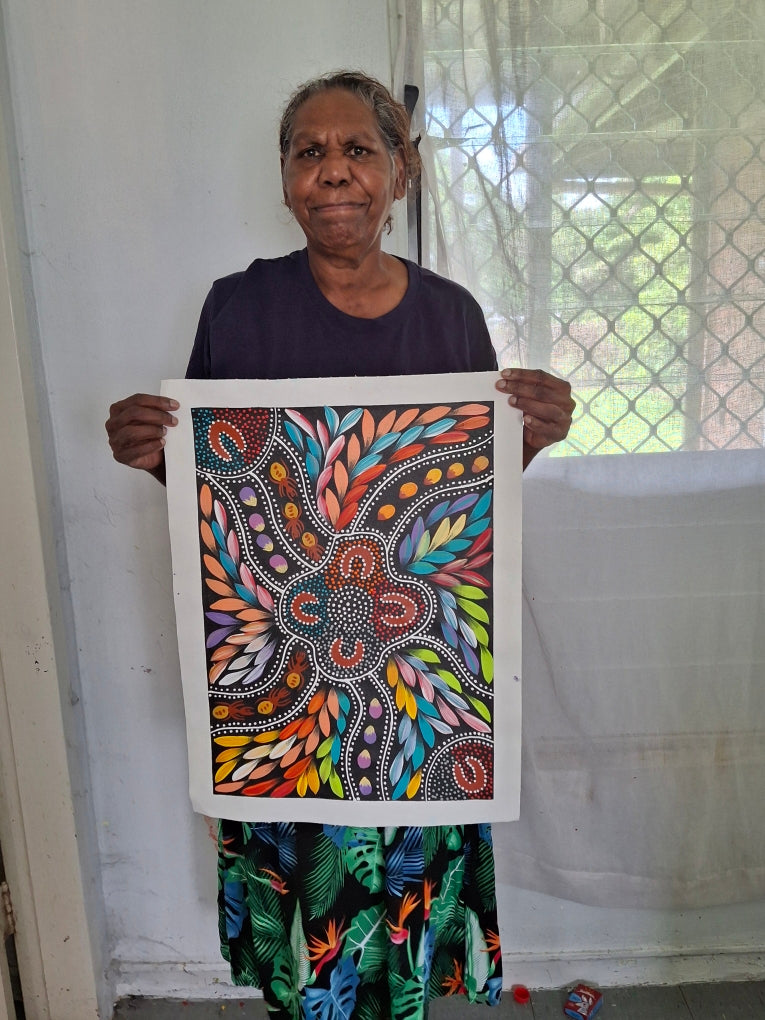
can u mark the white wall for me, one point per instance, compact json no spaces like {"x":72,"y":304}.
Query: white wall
{"x":146,"y":134}
{"x":147,"y":139}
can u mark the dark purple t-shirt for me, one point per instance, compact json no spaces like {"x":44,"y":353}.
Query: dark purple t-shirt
{"x":272,"y":322}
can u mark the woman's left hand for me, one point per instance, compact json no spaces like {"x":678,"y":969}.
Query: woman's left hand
{"x":546,"y":403}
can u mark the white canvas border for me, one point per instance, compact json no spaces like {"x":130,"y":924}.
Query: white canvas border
{"x":458,"y":388}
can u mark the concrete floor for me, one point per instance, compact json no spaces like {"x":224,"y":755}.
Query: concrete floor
{"x":721,"y":1001}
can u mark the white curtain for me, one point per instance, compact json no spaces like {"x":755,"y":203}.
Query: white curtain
{"x":595,"y":175}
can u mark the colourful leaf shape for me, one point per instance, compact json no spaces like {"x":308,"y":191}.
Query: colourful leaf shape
{"x":487,"y":664}
{"x":295,"y":435}
{"x":367,"y":428}
{"x":205,"y":500}
{"x":207,"y":536}
{"x":467,"y":591}
{"x":350,"y":419}
{"x":302,"y":421}
{"x":439,"y":428}
{"x":353,"y":452}
{"x":470,"y":409}
{"x":433,"y":414}
{"x":340,"y":479}
{"x":384,"y":442}
{"x":385,"y":424}
{"x":451,"y":437}
{"x":477,"y":612}
{"x":323,"y":435}
{"x":406,"y":452}
{"x":333,"y":420}
{"x":335,"y":449}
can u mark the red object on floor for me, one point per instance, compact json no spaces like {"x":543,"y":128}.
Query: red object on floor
{"x":521,"y":994}
{"x":583,"y":1003}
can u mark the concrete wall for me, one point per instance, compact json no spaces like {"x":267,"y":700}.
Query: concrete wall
{"x":146,"y":138}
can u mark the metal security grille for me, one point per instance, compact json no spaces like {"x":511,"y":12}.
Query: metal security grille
{"x":600,"y":185}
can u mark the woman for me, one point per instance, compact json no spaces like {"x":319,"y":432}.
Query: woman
{"x":331,"y":921}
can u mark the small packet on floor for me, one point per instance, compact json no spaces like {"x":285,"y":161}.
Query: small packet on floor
{"x":583,"y":1003}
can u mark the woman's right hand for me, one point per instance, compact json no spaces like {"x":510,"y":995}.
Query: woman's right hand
{"x":137,"y":427}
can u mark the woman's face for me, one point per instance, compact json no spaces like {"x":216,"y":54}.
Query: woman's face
{"x":339,"y":177}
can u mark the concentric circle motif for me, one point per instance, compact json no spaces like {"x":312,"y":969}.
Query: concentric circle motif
{"x":354,"y":610}
{"x":465,"y":769}
{"x":228,"y":441}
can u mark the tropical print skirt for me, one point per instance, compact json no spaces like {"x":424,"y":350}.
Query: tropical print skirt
{"x":334,"y":922}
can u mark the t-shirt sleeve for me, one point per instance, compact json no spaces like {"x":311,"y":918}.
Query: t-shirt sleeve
{"x":483,"y":357}
{"x":452,"y":325}
{"x":199,"y":362}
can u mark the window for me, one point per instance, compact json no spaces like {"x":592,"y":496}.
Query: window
{"x":598,"y":173}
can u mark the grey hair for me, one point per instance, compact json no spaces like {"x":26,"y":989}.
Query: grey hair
{"x":391,"y":116}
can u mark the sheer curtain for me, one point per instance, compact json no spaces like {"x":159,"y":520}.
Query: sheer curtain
{"x":595,"y":175}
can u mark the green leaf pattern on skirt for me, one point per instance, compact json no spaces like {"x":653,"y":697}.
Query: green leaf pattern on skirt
{"x":335,"y":922}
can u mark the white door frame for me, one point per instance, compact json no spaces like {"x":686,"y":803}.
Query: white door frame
{"x":7,"y":1006}
{"x":37,"y":825}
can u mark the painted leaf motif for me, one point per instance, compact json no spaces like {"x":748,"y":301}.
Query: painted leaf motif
{"x":487,"y":665}
{"x":354,"y":452}
{"x":438,"y":429}
{"x":350,"y":419}
{"x":383,"y":442}
{"x":294,"y":434}
{"x":433,"y":414}
{"x":367,"y":427}
{"x":386,"y":423}
{"x":425,"y":655}
{"x":405,"y":418}
{"x":333,"y":420}
{"x":441,"y":534}
{"x":341,"y":479}
{"x":333,"y":507}
{"x":301,"y":420}
{"x":477,"y":612}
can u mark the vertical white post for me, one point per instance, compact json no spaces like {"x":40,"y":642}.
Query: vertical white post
{"x":37,"y":826}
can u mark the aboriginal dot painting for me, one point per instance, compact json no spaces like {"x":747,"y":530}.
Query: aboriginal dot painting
{"x":346,"y":557}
